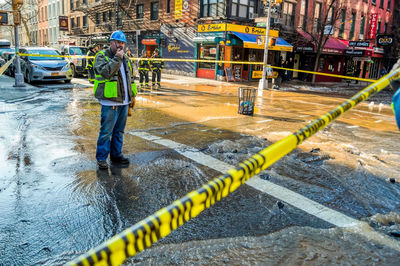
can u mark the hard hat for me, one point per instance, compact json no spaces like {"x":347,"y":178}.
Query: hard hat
{"x":118,"y":36}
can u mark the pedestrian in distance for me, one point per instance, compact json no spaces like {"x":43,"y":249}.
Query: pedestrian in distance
{"x":156,"y":67}
{"x":93,"y":49}
{"x":290,"y":65}
{"x":143,"y":66}
{"x":115,"y":89}
{"x":383,"y":71}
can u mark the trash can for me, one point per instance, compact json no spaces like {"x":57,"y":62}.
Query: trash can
{"x":247,"y":98}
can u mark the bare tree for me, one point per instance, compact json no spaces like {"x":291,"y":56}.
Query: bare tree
{"x":324,"y":26}
{"x":29,"y":12}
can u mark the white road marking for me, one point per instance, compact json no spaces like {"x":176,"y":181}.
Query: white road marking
{"x":299,"y":201}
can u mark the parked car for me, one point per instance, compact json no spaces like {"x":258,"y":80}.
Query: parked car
{"x":78,"y":65}
{"x":6,"y":56}
{"x":42,"y":68}
{"x":6,"y":49}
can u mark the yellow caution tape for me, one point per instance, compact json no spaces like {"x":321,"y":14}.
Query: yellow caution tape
{"x":148,"y":231}
{"x":4,"y":67}
{"x":217,"y":62}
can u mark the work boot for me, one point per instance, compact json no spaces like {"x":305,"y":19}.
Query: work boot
{"x":103,"y":165}
{"x":120,"y":160}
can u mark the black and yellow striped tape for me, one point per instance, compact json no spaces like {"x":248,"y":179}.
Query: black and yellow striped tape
{"x":148,"y":231}
{"x":216,"y":62}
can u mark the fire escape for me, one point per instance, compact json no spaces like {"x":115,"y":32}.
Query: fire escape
{"x":111,"y":15}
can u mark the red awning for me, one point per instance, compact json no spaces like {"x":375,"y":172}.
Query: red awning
{"x":332,"y":46}
{"x":149,"y":41}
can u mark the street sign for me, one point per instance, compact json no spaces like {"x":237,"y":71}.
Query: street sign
{"x":3,"y":18}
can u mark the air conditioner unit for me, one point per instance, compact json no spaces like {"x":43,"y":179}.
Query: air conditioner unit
{"x":253,"y":15}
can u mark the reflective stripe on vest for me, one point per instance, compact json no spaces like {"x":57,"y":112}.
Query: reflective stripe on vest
{"x":110,"y":90}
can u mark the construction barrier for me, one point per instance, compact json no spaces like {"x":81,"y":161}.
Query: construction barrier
{"x":148,"y":231}
{"x":215,"y":61}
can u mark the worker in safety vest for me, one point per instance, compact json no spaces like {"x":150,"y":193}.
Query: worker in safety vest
{"x":93,"y":49}
{"x":156,"y":66}
{"x":143,"y":67}
{"x":116,"y":90}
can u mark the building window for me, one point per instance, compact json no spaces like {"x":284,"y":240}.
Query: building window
{"x":378,"y":28}
{"x":97,"y":18}
{"x":140,"y":11}
{"x":317,"y":17}
{"x":72,"y":23}
{"x":119,"y":18}
{"x":212,"y":8}
{"x":154,"y":11}
{"x":386,"y":28}
{"x":71,"y":2}
{"x":303,"y":17}
{"x":373,"y":2}
{"x":353,"y":24}
{"x":84,"y":2}
{"x":288,"y":14}
{"x":207,"y":52}
{"x":105,"y":16}
{"x":362,"y":25}
{"x":389,"y":5}
{"x":110,"y":15}
{"x":381,"y":4}
{"x":84,"y":21}
{"x":168,"y":6}
{"x":342,"y":23}
{"x":240,"y":8}
{"x":78,"y":22}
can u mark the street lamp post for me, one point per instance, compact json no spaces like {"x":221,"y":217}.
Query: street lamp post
{"x":264,"y":80}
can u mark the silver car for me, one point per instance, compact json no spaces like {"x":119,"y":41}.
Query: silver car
{"x":38,"y":67}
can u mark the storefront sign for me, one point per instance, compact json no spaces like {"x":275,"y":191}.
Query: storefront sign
{"x":237,"y":28}
{"x":359,"y":44}
{"x":304,"y":49}
{"x":355,"y":52}
{"x":379,"y":50}
{"x":213,"y":50}
{"x":372,"y":25}
{"x":149,"y":42}
{"x":178,"y":9}
{"x":332,"y":51}
{"x":211,"y":27}
{"x":270,"y":74}
{"x":63,"y":23}
{"x":384,"y":40}
{"x":177,"y":49}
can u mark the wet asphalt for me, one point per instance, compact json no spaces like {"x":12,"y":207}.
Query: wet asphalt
{"x":56,"y":204}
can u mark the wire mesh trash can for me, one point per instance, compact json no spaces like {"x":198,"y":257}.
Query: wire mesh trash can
{"x":247,"y":98}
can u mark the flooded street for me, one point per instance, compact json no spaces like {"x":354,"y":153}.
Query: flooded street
{"x":55,"y":204}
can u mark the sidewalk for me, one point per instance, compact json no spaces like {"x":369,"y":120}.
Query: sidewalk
{"x":7,"y":82}
{"x":169,"y":78}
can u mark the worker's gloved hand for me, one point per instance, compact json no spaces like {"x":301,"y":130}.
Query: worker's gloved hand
{"x":131,"y":106}
{"x":133,"y":102}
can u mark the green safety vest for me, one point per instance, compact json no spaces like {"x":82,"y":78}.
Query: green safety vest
{"x":111,"y":86}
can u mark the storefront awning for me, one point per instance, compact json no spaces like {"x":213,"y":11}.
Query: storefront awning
{"x":256,"y":42}
{"x":332,"y":45}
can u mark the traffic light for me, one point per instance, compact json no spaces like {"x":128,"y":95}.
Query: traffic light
{"x":16,"y":4}
{"x":3,"y":18}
